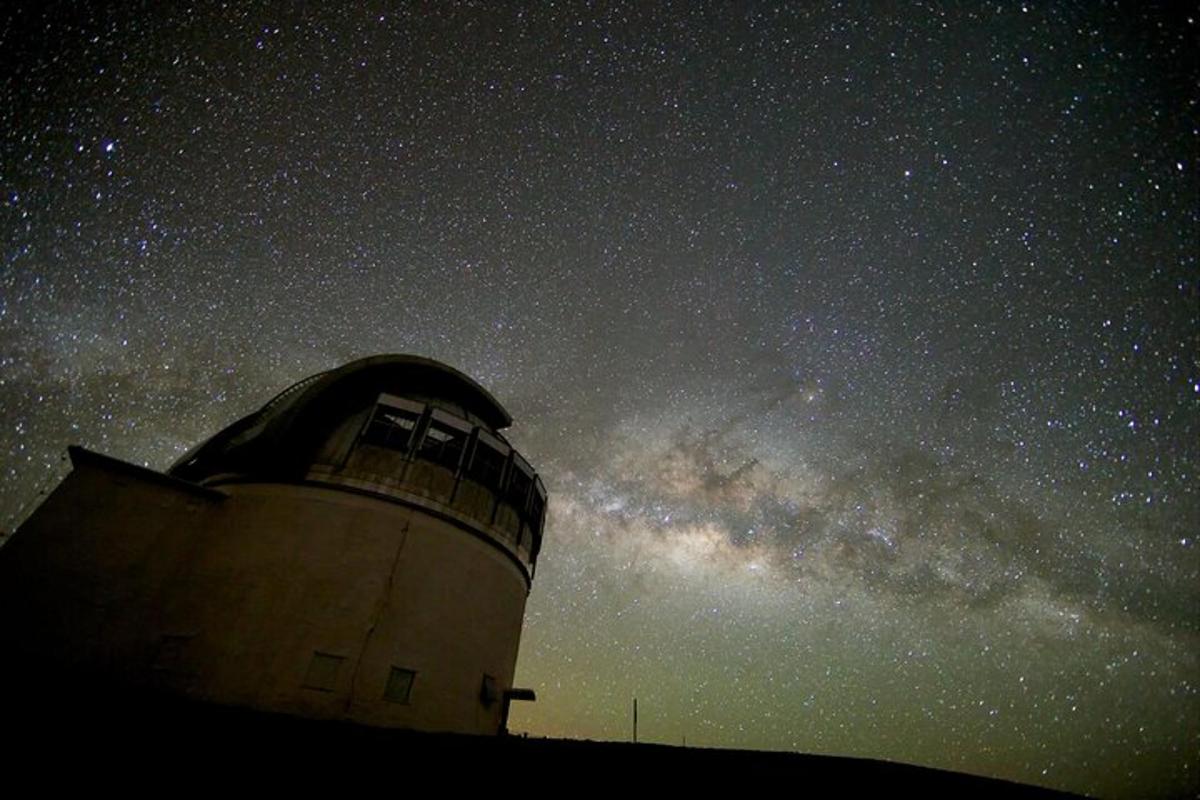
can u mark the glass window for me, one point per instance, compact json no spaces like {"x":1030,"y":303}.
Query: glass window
{"x":444,"y":441}
{"x":519,"y":483}
{"x":537,"y":508}
{"x":322,"y":672}
{"x":487,"y":462}
{"x":391,"y":428}
{"x":519,"y":489}
{"x":399,"y":685}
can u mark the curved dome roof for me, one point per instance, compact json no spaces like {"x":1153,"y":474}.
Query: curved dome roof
{"x":278,"y":438}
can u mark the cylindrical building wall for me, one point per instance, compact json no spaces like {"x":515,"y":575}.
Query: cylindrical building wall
{"x":359,"y":549}
{"x":344,"y":606}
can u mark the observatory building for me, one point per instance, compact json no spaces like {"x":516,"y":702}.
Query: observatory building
{"x":360,"y":548}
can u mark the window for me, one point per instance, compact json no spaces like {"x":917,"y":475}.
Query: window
{"x":445,"y":441}
{"x":391,"y":428}
{"x":519,"y":483}
{"x":537,"y":508}
{"x":399,"y":685}
{"x":322,"y":672}
{"x":487,"y":462}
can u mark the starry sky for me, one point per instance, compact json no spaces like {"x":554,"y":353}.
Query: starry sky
{"x":857,"y":346}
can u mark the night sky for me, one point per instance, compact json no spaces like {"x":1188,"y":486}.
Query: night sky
{"x":858,"y":349}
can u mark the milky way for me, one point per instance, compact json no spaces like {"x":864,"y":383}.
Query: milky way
{"x":858,"y":352}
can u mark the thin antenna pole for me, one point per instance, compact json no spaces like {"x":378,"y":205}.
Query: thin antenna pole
{"x":635,"y":720}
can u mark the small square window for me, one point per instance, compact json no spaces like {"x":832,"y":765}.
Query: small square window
{"x":399,"y":685}
{"x":322,"y":672}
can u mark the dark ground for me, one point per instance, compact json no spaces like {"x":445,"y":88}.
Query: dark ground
{"x":149,"y":744}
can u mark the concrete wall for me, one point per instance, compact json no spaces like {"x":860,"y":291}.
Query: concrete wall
{"x":225,"y":596}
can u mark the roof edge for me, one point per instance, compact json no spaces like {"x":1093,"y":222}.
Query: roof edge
{"x":500,"y":419}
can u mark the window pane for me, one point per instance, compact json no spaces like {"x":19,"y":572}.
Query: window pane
{"x":322,"y":672}
{"x":487,"y":464}
{"x":391,"y":428}
{"x":518,"y":487}
{"x":399,"y":685}
{"x":443,"y":445}
{"x":537,"y":507}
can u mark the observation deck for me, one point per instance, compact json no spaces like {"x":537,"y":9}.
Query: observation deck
{"x":400,"y":428}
